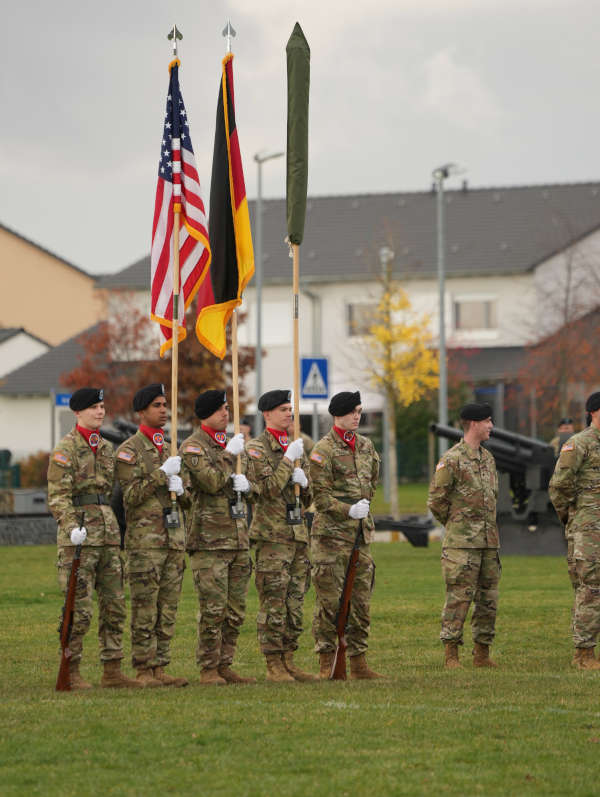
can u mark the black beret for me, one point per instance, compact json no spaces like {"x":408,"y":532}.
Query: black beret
{"x":274,"y":398}
{"x":565,"y":421}
{"x":146,"y":395}
{"x":476,"y":412}
{"x":85,"y":397}
{"x":343,"y":403}
{"x":593,"y":403}
{"x":208,"y":402}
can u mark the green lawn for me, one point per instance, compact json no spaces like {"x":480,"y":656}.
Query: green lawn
{"x":530,"y":727}
{"x":412,"y":499}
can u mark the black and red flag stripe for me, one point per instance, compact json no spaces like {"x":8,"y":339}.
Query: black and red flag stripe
{"x":232,"y":264}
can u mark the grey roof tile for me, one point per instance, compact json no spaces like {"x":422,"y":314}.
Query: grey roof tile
{"x":488,"y":231}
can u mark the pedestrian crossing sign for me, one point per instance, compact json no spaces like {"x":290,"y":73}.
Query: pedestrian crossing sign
{"x":314,"y":378}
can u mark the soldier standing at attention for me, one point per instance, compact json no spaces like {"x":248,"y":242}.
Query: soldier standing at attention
{"x":462,"y":497}
{"x":217,"y":539}
{"x":155,"y":545}
{"x":344,"y":468}
{"x":564,"y":431}
{"x":80,"y":481}
{"x":282,"y":563}
{"x":575,"y":493}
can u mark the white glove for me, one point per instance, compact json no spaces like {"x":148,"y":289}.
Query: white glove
{"x":299,"y":477}
{"x":175,"y":485}
{"x":240,"y":483}
{"x":236,"y":445}
{"x":360,"y":509}
{"x":295,"y":450}
{"x":171,"y":466}
{"x":78,"y":535}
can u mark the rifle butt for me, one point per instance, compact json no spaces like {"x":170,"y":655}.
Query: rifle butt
{"x":338,"y":666}
{"x":63,"y":682}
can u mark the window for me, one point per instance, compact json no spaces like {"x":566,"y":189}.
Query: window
{"x":472,"y":314}
{"x":361,"y":318}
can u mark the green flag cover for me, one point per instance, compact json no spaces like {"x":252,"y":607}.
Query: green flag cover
{"x":298,"y":71}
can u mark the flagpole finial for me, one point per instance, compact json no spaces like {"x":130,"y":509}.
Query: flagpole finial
{"x":174,"y":35}
{"x":229,"y":32}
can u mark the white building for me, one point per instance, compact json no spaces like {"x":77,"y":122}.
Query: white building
{"x":509,"y":251}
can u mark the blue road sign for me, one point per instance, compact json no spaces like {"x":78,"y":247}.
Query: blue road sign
{"x":314,"y":378}
{"x":62,"y":399}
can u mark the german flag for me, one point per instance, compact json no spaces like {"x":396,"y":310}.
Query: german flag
{"x":232,"y":264}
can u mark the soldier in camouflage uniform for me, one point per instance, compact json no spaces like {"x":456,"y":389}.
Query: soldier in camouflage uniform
{"x":217,"y":543}
{"x":80,"y":482}
{"x":462,"y":497}
{"x":575,"y":493}
{"x":156,"y":549}
{"x":564,"y":431}
{"x":344,"y":468}
{"x":282,"y":562}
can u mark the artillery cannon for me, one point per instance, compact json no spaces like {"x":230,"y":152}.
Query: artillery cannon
{"x":525,"y":466}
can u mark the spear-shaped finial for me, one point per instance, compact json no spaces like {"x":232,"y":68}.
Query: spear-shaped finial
{"x":229,"y":32}
{"x":175,"y":34}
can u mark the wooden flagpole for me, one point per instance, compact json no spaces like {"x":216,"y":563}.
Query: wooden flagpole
{"x":296,"y":325}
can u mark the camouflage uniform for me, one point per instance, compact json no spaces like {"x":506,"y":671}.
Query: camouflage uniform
{"x":341,"y":477}
{"x":76,"y":475}
{"x":282,"y":563}
{"x":156,"y":554}
{"x":575,"y":493}
{"x":462,"y":496}
{"x":218,"y":548}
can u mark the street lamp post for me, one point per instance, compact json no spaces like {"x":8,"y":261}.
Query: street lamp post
{"x":439,"y":175}
{"x":385,"y":258}
{"x":260,"y":158}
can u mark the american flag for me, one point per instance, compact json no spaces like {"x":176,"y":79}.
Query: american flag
{"x":177,"y":183}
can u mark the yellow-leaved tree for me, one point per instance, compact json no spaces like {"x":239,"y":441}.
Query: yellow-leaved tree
{"x":401,"y":361}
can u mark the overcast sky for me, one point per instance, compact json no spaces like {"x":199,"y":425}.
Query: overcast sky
{"x":507,"y":88}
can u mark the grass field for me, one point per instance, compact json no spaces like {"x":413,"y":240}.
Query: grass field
{"x":412,"y":499}
{"x":530,"y":727}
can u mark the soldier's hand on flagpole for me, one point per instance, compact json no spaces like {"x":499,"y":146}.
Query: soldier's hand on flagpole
{"x":299,"y":477}
{"x":175,"y":485}
{"x":240,"y":483}
{"x":236,"y":445}
{"x":171,"y":466}
{"x":295,"y":450}
{"x":360,"y":509}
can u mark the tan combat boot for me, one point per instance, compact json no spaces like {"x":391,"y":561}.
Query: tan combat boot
{"x":451,"y":651}
{"x":296,"y":673}
{"x":113,"y":677}
{"x":576,"y":657}
{"x":325,"y":664}
{"x":75,"y":678}
{"x":168,"y":680}
{"x":587,"y":660}
{"x":359,"y":671}
{"x":481,"y":656}
{"x":276,"y":672}
{"x":210,"y":677}
{"x":232,"y":677}
{"x":145,"y":677}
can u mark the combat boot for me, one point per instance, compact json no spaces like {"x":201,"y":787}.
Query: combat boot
{"x":325,"y":664}
{"x":232,"y":677}
{"x":587,"y":660}
{"x":481,"y":656}
{"x":451,"y":651}
{"x":210,"y":677}
{"x":359,"y":671}
{"x":75,"y":678}
{"x":576,"y":657}
{"x":145,"y":677}
{"x":168,"y":680}
{"x":276,"y":672}
{"x":296,"y":673}
{"x":115,"y":679}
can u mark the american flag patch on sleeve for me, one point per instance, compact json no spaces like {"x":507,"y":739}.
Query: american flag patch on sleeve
{"x":316,"y":457}
{"x":567,"y":447}
{"x":61,"y":459}
{"x":193,"y":450}
{"x":253,"y":452}
{"x":440,"y":465}
{"x":126,"y":456}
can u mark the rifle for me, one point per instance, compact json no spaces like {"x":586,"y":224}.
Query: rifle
{"x":63,"y":682}
{"x":338,"y":667}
